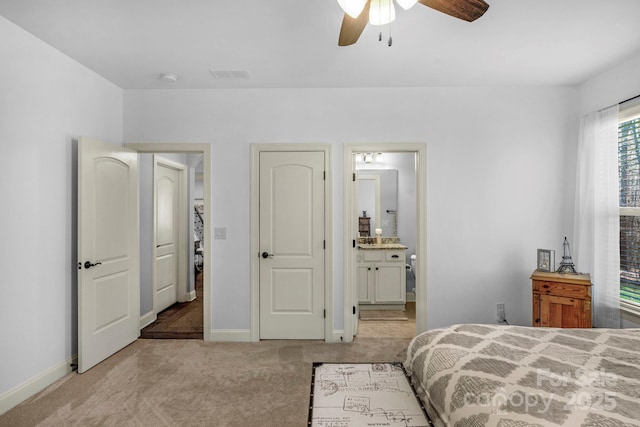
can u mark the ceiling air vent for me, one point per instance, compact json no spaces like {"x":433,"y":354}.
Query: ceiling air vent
{"x":230,"y":74}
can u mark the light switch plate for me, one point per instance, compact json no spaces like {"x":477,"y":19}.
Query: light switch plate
{"x":220,"y":233}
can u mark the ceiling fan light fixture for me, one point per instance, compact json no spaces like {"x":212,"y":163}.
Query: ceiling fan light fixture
{"x":353,"y":8}
{"x":382,"y":12}
{"x":407,"y":4}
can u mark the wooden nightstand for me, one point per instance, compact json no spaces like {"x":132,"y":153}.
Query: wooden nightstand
{"x":561,"y":300}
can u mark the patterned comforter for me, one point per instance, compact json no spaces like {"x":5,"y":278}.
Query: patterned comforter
{"x":513,"y":376}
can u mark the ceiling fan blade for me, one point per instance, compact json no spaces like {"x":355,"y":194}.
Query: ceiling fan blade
{"x":468,"y":10}
{"x":353,"y":27}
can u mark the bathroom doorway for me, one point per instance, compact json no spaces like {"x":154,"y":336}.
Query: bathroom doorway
{"x":385,"y":214}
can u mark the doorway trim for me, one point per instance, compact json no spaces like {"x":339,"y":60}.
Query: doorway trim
{"x":205,"y":150}
{"x":254,"y":231}
{"x":350,"y":224}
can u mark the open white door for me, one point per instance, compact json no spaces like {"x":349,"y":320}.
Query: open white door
{"x":353,"y":216}
{"x":108,"y":251}
{"x":168,"y":219}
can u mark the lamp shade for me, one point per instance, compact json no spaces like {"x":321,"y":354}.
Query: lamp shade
{"x":353,"y":8}
{"x":407,"y":4}
{"x":382,"y":12}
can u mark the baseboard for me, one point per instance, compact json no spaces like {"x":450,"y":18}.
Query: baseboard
{"x":191,"y":295}
{"x":338,"y":336}
{"x":230,"y":335}
{"x":147,"y":319}
{"x":19,"y":394}
{"x":244,"y":335}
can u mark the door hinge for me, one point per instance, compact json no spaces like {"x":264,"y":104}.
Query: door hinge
{"x":324,"y":244}
{"x":324,"y":175}
{"x":324,"y":313}
{"x":354,"y":243}
{"x":354,"y":177}
{"x":354,"y":309}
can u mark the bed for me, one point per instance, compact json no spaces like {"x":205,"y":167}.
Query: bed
{"x":513,"y":376}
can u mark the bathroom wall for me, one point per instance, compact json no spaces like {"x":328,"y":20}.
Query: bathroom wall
{"x":405,"y":164}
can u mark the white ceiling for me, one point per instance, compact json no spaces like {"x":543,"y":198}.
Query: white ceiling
{"x":293,"y":43}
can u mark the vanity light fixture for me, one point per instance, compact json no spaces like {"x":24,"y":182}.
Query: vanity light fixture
{"x":369,"y":157}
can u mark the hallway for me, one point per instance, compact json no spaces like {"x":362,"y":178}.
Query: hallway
{"x":183,"y":320}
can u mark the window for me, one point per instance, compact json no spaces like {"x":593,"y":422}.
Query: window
{"x":629,"y":175}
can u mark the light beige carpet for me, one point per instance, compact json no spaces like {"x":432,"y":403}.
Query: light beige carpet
{"x":194,"y":383}
{"x":382,"y":329}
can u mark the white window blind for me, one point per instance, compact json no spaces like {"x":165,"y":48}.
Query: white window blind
{"x":629,"y":175}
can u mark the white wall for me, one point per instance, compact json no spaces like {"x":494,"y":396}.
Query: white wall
{"x":497,"y":190}
{"x":611,"y":86}
{"x":46,"y":100}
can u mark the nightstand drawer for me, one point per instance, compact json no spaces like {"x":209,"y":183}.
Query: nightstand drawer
{"x":561,"y":289}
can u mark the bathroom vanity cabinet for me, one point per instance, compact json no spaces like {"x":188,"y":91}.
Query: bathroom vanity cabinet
{"x":382,"y":277}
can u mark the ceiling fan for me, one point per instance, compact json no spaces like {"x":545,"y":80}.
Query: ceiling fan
{"x":380,"y":12}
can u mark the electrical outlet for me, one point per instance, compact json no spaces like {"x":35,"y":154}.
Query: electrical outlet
{"x":500,"y":313}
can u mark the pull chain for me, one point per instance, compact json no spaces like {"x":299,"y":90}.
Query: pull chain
{"x":390,"y":39}
{"x":380,"y":14}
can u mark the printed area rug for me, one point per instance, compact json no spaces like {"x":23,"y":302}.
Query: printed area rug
{"x":383,"y":315}
{"x":363,"y":395}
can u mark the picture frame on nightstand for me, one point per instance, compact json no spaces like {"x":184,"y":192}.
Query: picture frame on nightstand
{"x":546,"y":260}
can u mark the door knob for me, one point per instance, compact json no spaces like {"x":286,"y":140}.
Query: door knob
{"x":88,"y":264}
{"x":267,"y":255}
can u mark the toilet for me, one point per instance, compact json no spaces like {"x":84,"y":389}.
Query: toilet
{"x":411,"y":278}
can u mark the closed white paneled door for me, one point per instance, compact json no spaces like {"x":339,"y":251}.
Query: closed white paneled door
{"x":292,"y":254}
{"x":108,"y":254}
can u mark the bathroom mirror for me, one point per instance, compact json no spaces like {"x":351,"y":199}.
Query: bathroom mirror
{"x":378,"y":196}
